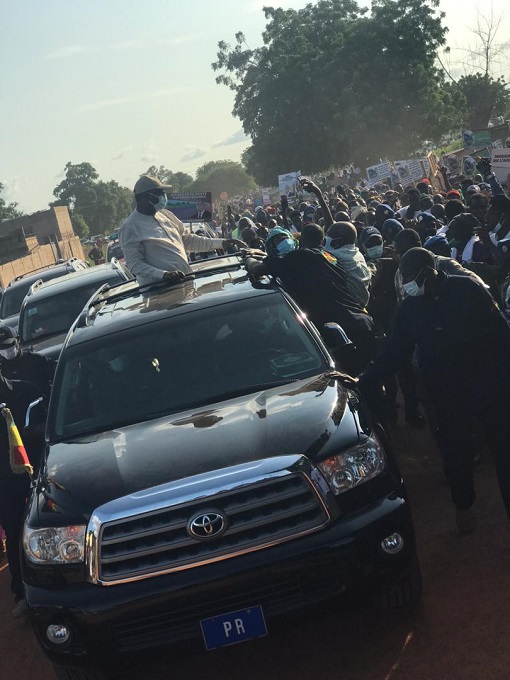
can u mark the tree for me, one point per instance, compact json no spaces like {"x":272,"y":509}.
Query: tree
{"x":179,"y":181}
{"x":80,"y":227}
{"x":101,"y":206}
{"x":481,"y":97}
{"x":332,"y":84}
{"x":218,"y":176}
{"x":10,"y":211}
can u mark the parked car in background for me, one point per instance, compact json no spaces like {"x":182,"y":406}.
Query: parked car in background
{"x":49,"y":309}
{"x":206,"y":473}
{"x":15,"y":292}
{"x":114,"y":250}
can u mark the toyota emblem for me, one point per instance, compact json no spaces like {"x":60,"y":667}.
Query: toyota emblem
{"x":207,"y":525}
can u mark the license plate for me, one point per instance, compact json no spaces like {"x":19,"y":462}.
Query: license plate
{"x":229,"y":629}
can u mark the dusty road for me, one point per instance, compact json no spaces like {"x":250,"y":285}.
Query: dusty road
{"x":459,"y":632}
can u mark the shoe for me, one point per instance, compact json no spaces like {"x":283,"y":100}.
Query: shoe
{"x":416,"y":420}
{"x":20,"y":611}
{"x":466,"y":521}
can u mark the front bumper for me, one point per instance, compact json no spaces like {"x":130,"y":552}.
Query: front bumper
{"x":119,"y":623}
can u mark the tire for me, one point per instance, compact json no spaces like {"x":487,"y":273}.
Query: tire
{"x":405,"y":592}
{"x":75,"y":673}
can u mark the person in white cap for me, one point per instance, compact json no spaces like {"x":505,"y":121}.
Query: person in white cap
{"x":155,"y":242}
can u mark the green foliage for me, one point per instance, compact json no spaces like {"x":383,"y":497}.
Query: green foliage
{"x":334,"y":84}
{"x":8,"y":211}
{"x":218,"y":176}
{"x":80,"y":227}
{"x":102,"y":206}
{"x":479,"y":97}
{"x":180,"y":181}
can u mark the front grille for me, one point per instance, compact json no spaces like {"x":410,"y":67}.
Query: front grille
{"x":260,"y":514}
{"x":277,"y":594}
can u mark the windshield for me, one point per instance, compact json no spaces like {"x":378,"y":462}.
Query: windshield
{"x":12,"y":299}
{"x":185,"y":361}
{"x":53,"y":315}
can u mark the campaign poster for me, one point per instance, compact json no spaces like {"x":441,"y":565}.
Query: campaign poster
{"x":289,"y":185}
{"x":415,"y":169}
{"x":469,"y":166}
{"x":402,"y":167}
{"x":266,"y":196}
{"x":372,"y":174}
{"x":383,"y":170}
{"x":501,"y":163}
{"x":192,"y":207}
{"x":425,"y":164}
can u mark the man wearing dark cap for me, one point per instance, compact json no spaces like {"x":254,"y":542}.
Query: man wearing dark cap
{"x":462,"y":340}
{"x":153,"y":239}
{"x":20,"y":364}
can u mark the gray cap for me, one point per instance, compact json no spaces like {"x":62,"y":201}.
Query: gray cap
{"x":147,"y":183}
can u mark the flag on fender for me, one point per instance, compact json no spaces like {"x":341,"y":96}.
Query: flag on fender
{"x":17,"y":452}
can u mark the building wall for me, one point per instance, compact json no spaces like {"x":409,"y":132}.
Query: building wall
{"x":48,"y":236}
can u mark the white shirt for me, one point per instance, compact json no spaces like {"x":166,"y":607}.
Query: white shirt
{"x":155,"y":244}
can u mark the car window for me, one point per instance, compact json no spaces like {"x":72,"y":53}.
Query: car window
{"x":47,"y":316}
{"x":185,"y":361}
{"x":114,"y":251}
{"x":14,"y":295}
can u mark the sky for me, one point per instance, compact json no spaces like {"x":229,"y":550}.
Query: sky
{"x":124,"y":84}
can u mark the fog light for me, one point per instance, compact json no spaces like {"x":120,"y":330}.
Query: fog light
{"x":58,"y":635}
{"x":392,"y":544}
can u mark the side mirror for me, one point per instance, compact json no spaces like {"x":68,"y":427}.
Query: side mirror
{"x":335,"y":337}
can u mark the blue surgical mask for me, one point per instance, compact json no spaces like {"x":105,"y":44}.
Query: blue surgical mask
{"x":497,"y":227}
{"x":375,"y":252}
{"x":286,"y":246}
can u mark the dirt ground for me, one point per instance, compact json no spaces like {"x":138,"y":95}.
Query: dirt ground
{"x":460,"y":631}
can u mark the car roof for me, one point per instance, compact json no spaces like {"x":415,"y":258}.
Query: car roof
{"x":99,"y":273}
{"x":128,"y":305}
{"x":46,"y":273}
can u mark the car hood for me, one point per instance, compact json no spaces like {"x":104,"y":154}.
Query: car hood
{"x":307,"y":417}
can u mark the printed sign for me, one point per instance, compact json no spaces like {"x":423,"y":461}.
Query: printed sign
{"x":402,"y":167}
{"x":415,"y":169}
{"x":196,"y":207}
{"x":288,"y":184}
{"x":501,"y":163}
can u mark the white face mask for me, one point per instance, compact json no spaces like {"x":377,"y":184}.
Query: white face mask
{"x":375,"y":252}
{"x":413,"y":289}
{"x":9,"y":353}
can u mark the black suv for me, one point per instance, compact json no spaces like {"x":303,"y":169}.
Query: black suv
{"x":205,"y":473}
{"x":15,"y":292}
{"x":50,"y":308}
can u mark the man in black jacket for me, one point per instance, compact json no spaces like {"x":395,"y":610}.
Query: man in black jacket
{"x":18,"y":364}
{"x":462,"y":340}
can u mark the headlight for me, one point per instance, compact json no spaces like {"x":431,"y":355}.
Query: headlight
{"x":354,"y":467}
{"x":55,"y":545}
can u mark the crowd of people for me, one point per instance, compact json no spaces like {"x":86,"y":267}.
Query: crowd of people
{"x":419,"y":278}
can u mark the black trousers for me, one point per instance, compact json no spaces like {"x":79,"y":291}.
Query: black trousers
{"x":13,"y":496}
{"x":455,"y":434}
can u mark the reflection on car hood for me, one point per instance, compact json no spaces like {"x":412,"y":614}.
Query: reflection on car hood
{"x":306,"y":417}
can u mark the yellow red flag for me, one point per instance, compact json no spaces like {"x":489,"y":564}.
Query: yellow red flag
{"x":18,"y":455}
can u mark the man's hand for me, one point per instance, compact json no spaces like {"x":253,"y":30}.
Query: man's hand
{"x":174,"y":277}
{"x":310,"y":186}
{"x":253,"y":253}
{"x":233,"y":242}
{"x":484,"y":166}
{"x":345,"y":379}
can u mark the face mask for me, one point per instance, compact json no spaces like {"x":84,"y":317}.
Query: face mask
{"x":375,"y":252}
{"x":161,"y":203}
{"x":497,"y":227}
{"x":286,"y":246}
{"x":413,"y":289}
{"x":9,"y":353}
